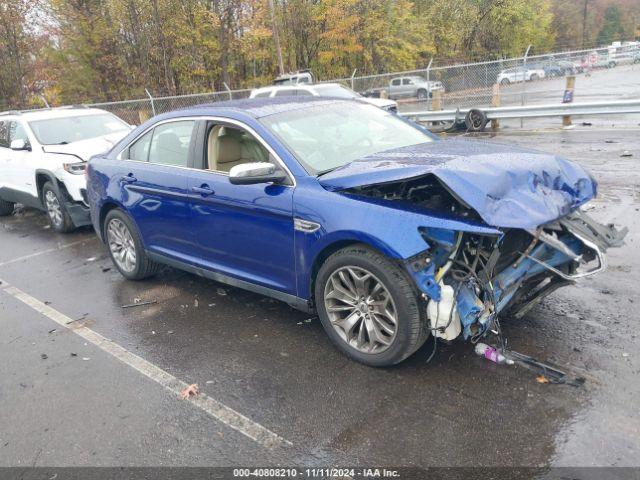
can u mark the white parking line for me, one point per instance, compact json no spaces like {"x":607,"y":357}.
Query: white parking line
{"x":214,"y":408}
{"x":44,"y":252}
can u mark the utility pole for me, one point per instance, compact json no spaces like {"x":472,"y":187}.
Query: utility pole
{"x":276,"y":36}
{"x":584,"y":24}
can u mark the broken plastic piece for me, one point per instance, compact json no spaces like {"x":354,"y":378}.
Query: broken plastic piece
{"x":490,"y":353}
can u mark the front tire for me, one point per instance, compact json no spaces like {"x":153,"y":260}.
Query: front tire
{"x":125,"y":247}
{"x":423,"y":94}
{"x":369,"y":307}
{"x":505,"y":81}
{"x":54,"y":202}
{"x":6,"y":208}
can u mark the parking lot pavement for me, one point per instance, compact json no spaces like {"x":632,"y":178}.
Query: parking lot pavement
{"x":259,"y":358}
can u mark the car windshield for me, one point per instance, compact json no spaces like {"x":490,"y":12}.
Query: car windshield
{"x":337,"y":91}
{"x":60,"y":131}
{"x":327,"y":136}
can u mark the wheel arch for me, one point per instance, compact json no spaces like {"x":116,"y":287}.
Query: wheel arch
{"x":105,"y":208}
{"x":44,"y":176}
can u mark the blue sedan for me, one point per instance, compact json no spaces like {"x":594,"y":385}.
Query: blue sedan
{"x":337,"y":207}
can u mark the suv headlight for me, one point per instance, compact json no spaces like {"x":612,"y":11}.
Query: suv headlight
{"x":75,"y":168}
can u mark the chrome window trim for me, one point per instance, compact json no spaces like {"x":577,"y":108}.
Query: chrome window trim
{"x":213,"y":119}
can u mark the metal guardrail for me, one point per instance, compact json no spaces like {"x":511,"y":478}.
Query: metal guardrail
{"x":617,"y":107}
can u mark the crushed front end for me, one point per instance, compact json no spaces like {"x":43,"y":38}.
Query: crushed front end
{"x":468,"y":279}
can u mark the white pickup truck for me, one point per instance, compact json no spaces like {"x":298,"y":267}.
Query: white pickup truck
{"x":43,"y":155}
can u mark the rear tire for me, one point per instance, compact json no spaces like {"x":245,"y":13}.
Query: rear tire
{"x":534,"y":77}
{"x":54,"y":203}
{"x":360,"y":322}
{"x":126,"y":248}
{"x":6,"y":208}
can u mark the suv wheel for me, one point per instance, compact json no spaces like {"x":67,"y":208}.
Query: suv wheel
{"x":369,"y":307}
{"x":534,"y":77}
{"x":6,"y":208}
{"x":505,"y":81}
{"x":125,"y":247}
{"x":422,"y":94}
{"x":58,"y":216}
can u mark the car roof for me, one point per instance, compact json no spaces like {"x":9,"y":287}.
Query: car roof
{"x":257,"y":107}
{"x":49,"y":113}
{"x":307,"y":86}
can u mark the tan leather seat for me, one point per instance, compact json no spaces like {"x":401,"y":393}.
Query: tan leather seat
{"x":228,"y":147}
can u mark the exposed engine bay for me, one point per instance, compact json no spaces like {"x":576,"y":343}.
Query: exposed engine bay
{"x":426,"y":192}
{"x":468,"y":279}
{"x":484,"y":276}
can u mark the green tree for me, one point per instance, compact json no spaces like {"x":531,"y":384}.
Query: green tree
{"x":612,"y":28}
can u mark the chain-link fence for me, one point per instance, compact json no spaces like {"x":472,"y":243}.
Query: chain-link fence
{"x":514,"y":81}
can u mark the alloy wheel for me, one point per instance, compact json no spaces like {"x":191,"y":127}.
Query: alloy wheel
{"x":53,"y":207}
{"x":361,"y":309}
{"x":121,"y":244}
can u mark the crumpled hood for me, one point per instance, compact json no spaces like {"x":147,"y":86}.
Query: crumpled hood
{"x":85,"y":149}
{"x":508,"y":186}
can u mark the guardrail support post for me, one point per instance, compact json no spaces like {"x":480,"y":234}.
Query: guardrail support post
{"x":495,"y":102}
{"x":568,"y":98}
{"x":436,"y":100}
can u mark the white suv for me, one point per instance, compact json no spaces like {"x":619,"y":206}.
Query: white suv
{"x":43,"y":155}
{"x":322,"y":90}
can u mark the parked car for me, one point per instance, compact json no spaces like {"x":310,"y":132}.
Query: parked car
{"x":554,"y":68}
{"x":43,"y":155}
{"x":337,"y":207}
{"x":322,"y":90}
{"x":413,"y":86}
{"x":613,"y":60}
{"x":520,"y":74}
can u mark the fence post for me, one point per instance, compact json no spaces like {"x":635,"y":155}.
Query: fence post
{"x":523,"y":96}
{"x":495,"y":102}
{"x":429,"y":80}
{"x":568,"y":98}
{"x":352,"y":77}
{"x":153,"y":107}
{"x":228,"y":90}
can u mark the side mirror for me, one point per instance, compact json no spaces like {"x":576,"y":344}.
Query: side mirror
{"x":253,"y":173}
{"x":20,"y":144}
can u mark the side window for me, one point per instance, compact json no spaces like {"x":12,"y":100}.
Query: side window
{"x":17,"y":132}
{"x":304,"y":93}
{"x":286,"y":93}
{"x":4,"y":134}
{"x":228,"y":147}
{"x":170,"y":143}
{"x":407,"y":81}
{"x":262,"y":94}
{"x":140,"y":149}
{"x":395,"y":82}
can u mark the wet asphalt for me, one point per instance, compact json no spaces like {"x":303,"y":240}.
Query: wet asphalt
{"x":65,"y":402}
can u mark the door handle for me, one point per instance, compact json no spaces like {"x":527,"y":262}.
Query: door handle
{"x":203,"y":190}
{"x":128,"y":179}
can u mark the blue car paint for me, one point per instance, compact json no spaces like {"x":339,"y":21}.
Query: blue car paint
{"x":256,"y":222}
{"x":508,"y":186}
